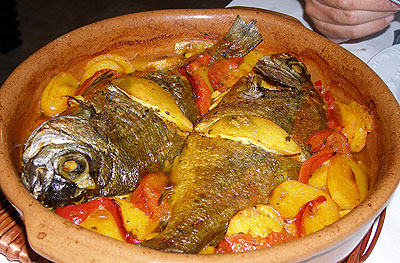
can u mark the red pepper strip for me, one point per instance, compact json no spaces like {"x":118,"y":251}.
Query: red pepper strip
{"x":332,"y":114}
{"x":305,"y":211}
{"x":222,"y":72}
{"x":311,"y":164}
{"x":199,"y":85}
{"x":317,"y":140}
{"x":319,"y":87}
{"x":86,"y":84}
{"x":147,"y":195}
{"x":333,"y":139}
{"x":245,"y":242}
{"x":78,"y":213}
{"x":339,"y":143}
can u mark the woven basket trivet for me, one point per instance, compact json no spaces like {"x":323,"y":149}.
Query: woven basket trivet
{"x":14,"y":245}
{"x":13,"y":242}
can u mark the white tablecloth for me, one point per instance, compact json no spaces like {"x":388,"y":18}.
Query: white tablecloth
{"x":386,"y":250}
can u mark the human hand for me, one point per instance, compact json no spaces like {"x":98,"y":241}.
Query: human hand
{"x":341,"y":20}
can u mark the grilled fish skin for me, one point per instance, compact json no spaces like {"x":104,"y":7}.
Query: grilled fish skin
{"x":102,"y":146}
{"x":214,"y":178}
{"x":110,"y":139}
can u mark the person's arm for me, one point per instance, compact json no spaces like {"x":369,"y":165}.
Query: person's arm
{"x":341,"y":20}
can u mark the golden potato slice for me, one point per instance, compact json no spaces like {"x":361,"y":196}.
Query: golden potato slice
{"x":102,"y":222}
{"x":255,"y":130}
{"x":250,"y":60}
{"x":320,"y":216}
{"x":154,"y":62}
{"x":288,"y":197}
{"x":357,"y":122}
{"x":54,"y":98}
{"x":152,"y":95}
{"x":347,"y":183}
{"x":190,"y":48}
{"x":319,"y":178}
{"x":136,"y":221}
{"x":107,"y":61}
{"x":258,"y":221}
{"x":342,"y":213}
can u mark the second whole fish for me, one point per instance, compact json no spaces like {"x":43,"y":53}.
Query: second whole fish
{"x":231,"y":161}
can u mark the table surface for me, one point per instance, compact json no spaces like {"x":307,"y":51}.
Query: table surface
{"x":386,"y":249}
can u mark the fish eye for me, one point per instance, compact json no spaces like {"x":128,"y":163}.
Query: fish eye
{"x":298,"y":67}
{"x":72,"y":166}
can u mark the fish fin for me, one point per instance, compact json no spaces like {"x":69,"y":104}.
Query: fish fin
{"x":240,"y":39}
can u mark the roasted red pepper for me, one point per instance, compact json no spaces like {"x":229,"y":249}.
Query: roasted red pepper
{"x":245,"y":242}
{"x":86,"y":84}
{"x":311,"y":164}
{"x":332,"y":113}
{"x":148,"y":195}
{"x":223,"y":73}
{"x":305,"y":211}
{"x":78,"y":213}
{"x":200,"y":87}
{"x":319,"y":87}
{"x":317,"y":140}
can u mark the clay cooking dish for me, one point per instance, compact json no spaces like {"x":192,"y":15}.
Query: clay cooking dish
{"x":157,"y":32}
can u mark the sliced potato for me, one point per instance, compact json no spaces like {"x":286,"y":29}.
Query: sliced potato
{"x":357,"y":123}
{"x":250,"y":60}
{"x":320,"y":216}
{"x":107,"y":61}
{"x":102,"y":222}
{"x":189,"y":48}
{"x":258,"y":221}
{"x":342,"y":213}
{"x":54,"y":98}
{"x":288,"y":197}
{"x":319,"y":178}
{"x":152,"y":95}
{"x":255,"y":130}
{"x":342,"y":185}
{"x":347,"y":183}
{"x":136,"y":221}
{"x":150,"y":63}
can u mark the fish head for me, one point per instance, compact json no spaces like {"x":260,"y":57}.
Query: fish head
{"x":284,"y":68}
{"x":59,"y":167}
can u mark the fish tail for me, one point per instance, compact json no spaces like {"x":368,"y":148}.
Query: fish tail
{"x":240,"y":39}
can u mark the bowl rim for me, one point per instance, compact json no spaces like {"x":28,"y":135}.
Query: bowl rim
{"x":338,"y":232}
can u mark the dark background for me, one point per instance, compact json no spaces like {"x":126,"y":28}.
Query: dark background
{"x":27,"y":25}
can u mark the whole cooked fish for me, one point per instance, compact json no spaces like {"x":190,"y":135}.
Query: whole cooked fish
{"x":229,"y":163}
{"x":121,"y":128}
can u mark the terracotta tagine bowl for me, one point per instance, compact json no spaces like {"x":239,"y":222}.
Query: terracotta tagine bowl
{"x":156,"y":32}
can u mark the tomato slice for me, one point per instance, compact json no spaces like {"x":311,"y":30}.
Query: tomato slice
{"x":200,"y":87}
{"x":224,"y":73}
{"x":311,"y":164}
{"x":148,"y":195}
